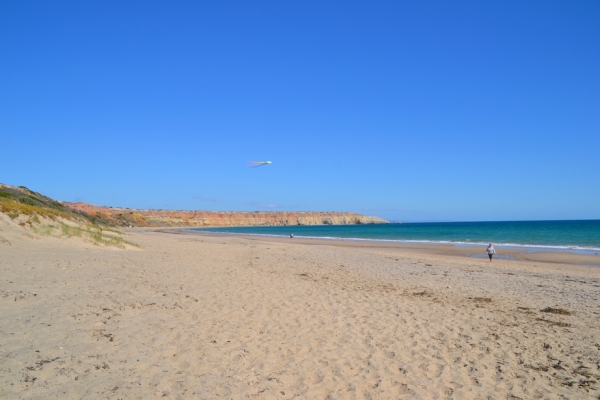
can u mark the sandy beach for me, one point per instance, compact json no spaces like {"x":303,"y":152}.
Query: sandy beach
{"x":225,"y":317}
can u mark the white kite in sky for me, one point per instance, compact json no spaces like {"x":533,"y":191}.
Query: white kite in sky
{"x":255,"y":164}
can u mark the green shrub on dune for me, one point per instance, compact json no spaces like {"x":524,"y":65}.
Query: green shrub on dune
{"x":66,"y":222}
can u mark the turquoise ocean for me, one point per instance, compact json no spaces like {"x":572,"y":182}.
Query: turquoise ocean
{"x":582,"y":236}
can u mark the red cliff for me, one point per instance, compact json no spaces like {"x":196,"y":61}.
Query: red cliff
{"x":163,"y":218}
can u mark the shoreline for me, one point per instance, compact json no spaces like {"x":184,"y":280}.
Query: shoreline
{"x":508,"y":253}
{"x":591,"y":249}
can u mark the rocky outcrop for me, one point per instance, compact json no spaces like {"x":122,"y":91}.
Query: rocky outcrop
{"x":165,"y":218}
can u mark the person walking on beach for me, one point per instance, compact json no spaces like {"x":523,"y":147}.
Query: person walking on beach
{"x":490,"y":251}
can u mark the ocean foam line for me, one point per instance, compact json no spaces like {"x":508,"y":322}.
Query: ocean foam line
{"x":519,"y":245}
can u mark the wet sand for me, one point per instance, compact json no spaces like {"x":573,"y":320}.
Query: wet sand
{"x":510,"y":253}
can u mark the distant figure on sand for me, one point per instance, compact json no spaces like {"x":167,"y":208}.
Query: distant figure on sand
{"x":291,"y":235}
{"x":490,"y":251}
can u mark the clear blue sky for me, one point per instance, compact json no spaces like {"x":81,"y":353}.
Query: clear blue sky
{"x":413,"y":111}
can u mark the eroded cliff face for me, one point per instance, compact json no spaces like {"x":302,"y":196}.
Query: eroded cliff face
{"x":164,"y":218}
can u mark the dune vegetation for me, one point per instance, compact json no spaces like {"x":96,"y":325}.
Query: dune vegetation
{"x":49,"y":217}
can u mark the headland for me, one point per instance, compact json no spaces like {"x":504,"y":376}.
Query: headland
{"x":200,"y":218}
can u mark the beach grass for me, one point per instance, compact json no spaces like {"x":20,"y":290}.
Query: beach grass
{"x":94,"y":234}
{"x":15,"y":208}
{"x":20,"y":201}
{"x":29,"y":209}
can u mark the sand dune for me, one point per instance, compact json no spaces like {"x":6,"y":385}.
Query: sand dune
{"x":210,"y":317}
